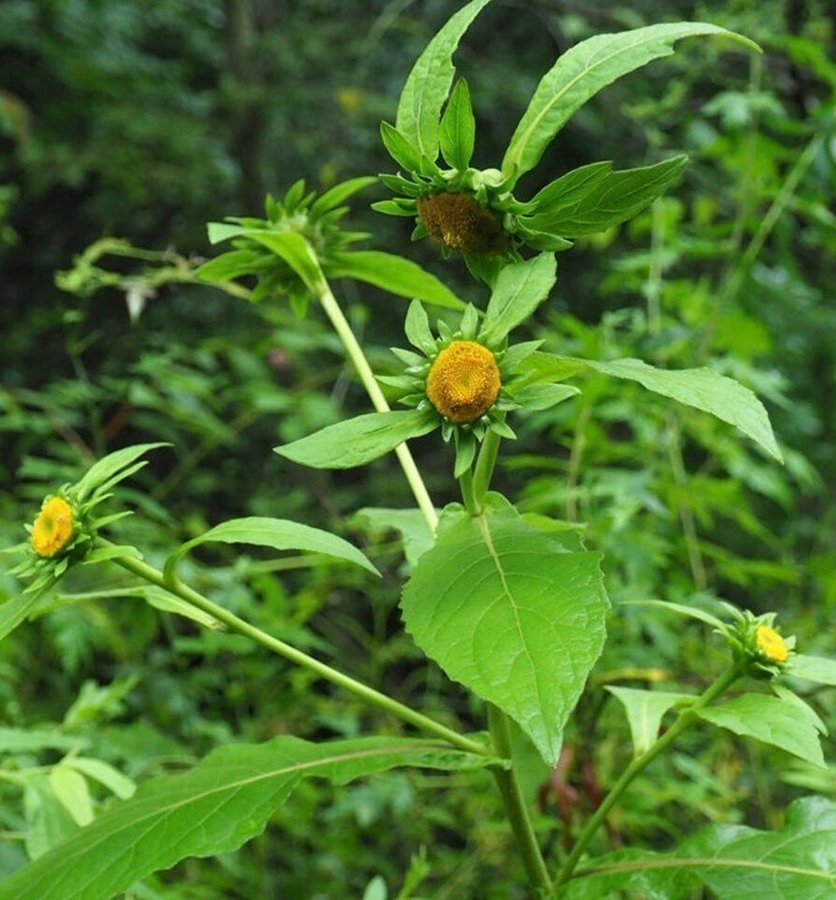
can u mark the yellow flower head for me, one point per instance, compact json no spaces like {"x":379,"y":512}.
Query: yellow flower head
{"x":459,"y":222}
{"x":463,"y":382}
{"x":53,"y":529}
{"x":771,"y":644}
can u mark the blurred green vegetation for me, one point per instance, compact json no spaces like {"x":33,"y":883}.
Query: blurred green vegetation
{"x":139,"y":122}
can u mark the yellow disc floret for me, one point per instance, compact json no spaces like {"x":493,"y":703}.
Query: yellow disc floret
{"x":771,"y":644}
{"x":53,"y":529}
{"x":463,"y":382}
{"x":459,"y":222}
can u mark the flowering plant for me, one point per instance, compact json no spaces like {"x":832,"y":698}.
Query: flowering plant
{"x":511,"y":606}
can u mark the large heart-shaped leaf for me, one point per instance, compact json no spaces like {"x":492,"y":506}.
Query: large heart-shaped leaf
{"x":508,"y":611}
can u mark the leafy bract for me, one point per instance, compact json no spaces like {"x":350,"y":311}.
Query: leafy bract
{"x":773,"y":720}
{"x":644,"y":712}
{"x":613,"y":199}
{"x":519,"y":290}
{"x":214,"y":808}
{"x":394,"y":274}
{"x":111,"y":469}
{"x":357,"y":441}
{"x":507,"y":611}
{"x":703,"y":389}
{"x":428,"y":84}
{"x":581,"y":72}
{"x":280,"y":534}
{"x":458,"y":128}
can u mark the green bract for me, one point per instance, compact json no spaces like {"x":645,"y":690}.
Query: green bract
{"x":301,"y":243}
{"x":474,"y":211}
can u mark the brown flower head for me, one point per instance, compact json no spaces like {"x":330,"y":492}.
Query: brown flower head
{"x":457,"y":221}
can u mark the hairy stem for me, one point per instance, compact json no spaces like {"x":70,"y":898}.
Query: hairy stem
{"x":686,"y":718}
{"x":484,"y":467}
{"x":361,"y":364}
{"x":175,"y":586}
{"x":515,"y":807}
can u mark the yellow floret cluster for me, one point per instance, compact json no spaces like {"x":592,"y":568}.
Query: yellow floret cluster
{"x":463,"y":382}
{"x":53,"y":529}
{"x":771,"y":644}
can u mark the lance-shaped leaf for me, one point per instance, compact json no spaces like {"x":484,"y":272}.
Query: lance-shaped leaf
{"x":519,"y":290}
{"x":428,"y":84}
{"x":394,"y":274}
{"x":616,"y":197}
{"x":733,"y":861}
{"x":458,"y":128}
{"x":703,"y":389}
{"x":507,"y":611}
{"x":111,"y":469}
{"x":294,"y":250}
{"x":227,"y":266}
{"x":357,"y":441}
{"x":644,"y":712}
{"x":772,"y":720}
{"x":280,"y":534}
{"x":581,"y":72}
{"x":214,"y":808}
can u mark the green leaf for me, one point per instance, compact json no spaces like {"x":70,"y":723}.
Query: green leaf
{"x":703,"y":389}
{"x":519,"y":290}
{"x":505,"y":610}
{"x":771,"y":720}
{"x":734,"y":861}
{"x":339,"y":193}
{"x":112,"y":551}
{"x":417,"y":328}
{"x":357,"y":441}
{"x":410,"y":523}
{"x":280,"y":534}
{"x":122,"y":786}
{"x":796,"y":863}
{"x":690,"y":611}
{"x":581,"y":72}
{"x":214,"y":808}
{"x":544,"y":396}
{"x":458,"y":128}
{"x":70,"y":787}
{"x":23,"y":740}
{"x":569,"y":188}
{"x":227,"y":266}
{"x":394,"y":274}
{"x":399,"y":148}
{"x":428,"y":84}
{"x":617,"y":197}
{"x":645,"y":710}
{"x":14,"y":611}
{"x":49,"y":821}
{"x":813,"y":668}
{"x":161,"y":599}
{"x":218,"y":232}
{"x":295,"y":251}
{"x":108,"y":467}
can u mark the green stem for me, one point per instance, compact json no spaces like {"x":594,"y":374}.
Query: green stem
{"x":361,"y":364}
{"x":515,"y":807}
{"x":484,"y":467}
{"x":686,"y":718}
{"x":175,"y":586}
{"x":468,"y":497}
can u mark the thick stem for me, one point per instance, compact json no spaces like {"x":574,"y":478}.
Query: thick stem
{"x":686,"y":718}
{"x":515,"y":807}
{"x":468,"y":496}
{"x":175,"y":586}
{"x":361,"y":364}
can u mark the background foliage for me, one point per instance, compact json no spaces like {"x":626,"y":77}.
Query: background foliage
{"x":140,"y":122}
